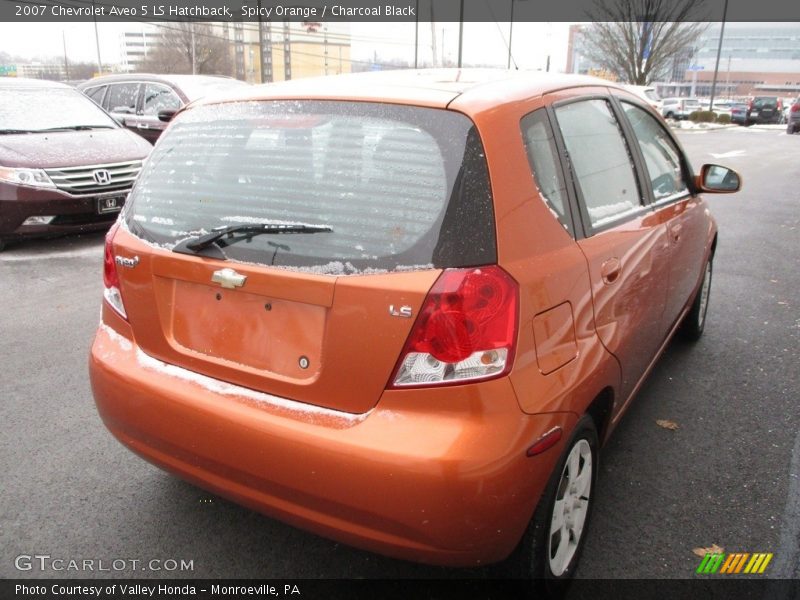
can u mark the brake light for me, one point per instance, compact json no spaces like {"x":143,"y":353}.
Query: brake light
{"x":795,"y":107}
{"x":466,"y":330}
{"x":111,"y":291}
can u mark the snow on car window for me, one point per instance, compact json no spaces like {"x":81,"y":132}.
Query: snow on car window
{"x":36,"y":109}
{"x":543,"y":159}
{"x":600,"y":158}
{"x":397,"y":185}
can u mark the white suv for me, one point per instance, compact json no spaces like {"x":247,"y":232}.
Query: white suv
{"x":679,"y":108}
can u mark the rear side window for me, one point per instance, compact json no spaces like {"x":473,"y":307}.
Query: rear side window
{"x":542,"y":154}
{"x":600,"y":160}
{"x":401,"y":187}
{"x":122,"y":97}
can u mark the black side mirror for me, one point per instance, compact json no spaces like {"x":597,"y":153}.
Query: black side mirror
{"x":166,"y":115}
{"x":717,"y":179}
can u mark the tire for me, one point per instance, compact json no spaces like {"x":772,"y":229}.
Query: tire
{"x":669,"y":115}
{"x":695,"y":320}
{"x":548,"y":558}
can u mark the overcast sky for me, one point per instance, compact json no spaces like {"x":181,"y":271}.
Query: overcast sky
{"x":484,"y":43}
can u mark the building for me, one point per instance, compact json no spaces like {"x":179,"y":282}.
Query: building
{"x":755,"y":58}
{"x":290,"y":50}
{"x":135,"y":44}
{"x":38,"y":70}
{"x":577,"y":59}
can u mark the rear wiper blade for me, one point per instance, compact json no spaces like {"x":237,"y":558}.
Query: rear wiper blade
{"x":231,"y":234}
{"x":11,"y":131}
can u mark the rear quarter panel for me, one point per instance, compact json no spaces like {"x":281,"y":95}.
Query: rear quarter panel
{"x":536,"y":250}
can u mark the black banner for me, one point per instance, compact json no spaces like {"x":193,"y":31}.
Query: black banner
{"x":722,"y":588}
{"x":387,"y":10}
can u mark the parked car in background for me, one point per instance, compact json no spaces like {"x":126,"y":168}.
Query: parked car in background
{"x":135,"y":100}
{"x":648,"y":94}
{"x":721,"y":107}
{"x":372,"y":305}
{"x":793,"y":118}
{"x":739,"y":113}
{"x":787,"y":105}
{"x":679,"y":108}
{"x":65,"y":165}
{"x":765,"y":109}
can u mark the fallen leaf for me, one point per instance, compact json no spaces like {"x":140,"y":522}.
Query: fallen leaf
{"x":713,"y":549}
{"x":667,"y":424}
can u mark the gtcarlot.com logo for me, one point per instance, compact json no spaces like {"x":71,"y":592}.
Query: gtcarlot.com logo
{"x":45,"y":562}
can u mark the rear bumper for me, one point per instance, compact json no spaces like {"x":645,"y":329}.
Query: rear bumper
{"x":437,"y":476}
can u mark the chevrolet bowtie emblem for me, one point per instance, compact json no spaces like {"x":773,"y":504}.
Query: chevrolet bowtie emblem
{"x":228,"y":278}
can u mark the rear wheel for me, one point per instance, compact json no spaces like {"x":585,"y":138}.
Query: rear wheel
{"x":695,"y":320}
{"x":549,"y":551}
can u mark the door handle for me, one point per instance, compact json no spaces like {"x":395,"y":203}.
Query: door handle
{"x":610,"y":270}
{"x":675,"y":231}
{"x":142,"y":126}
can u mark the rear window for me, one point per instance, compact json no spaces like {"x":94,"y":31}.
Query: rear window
{"x":765,"y":102}
{"x":400,"y":187}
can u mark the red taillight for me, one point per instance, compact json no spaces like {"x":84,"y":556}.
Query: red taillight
{"x":466,"y":329}
{"x":110,"y":276}
{"x":795,"y":108}
{"x":111,"y":293}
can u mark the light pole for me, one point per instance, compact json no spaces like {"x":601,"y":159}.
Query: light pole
{"x":416,"y":37}
{"x":97,"y":41}
{"x":510,"y":35}
{"x":460,"y":32}
{"x":66,"y":62}
{"x":719,"y":52}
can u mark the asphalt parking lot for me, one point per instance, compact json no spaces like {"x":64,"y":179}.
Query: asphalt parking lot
{"x":729,"y":475}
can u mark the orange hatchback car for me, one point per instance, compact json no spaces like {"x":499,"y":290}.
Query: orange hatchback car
{"x":404,"y":310}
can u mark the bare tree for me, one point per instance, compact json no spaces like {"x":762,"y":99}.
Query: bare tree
{"x":186,"y":44}
{"x":82,"y":70}
{"x":638,"y":40}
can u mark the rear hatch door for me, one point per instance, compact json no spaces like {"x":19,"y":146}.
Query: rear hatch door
{"x":401,"y":191}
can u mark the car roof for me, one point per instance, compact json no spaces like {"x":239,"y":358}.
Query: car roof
{"x":428,"y":87}
{"x":167,"y":78}
{"x":18,"y":83}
